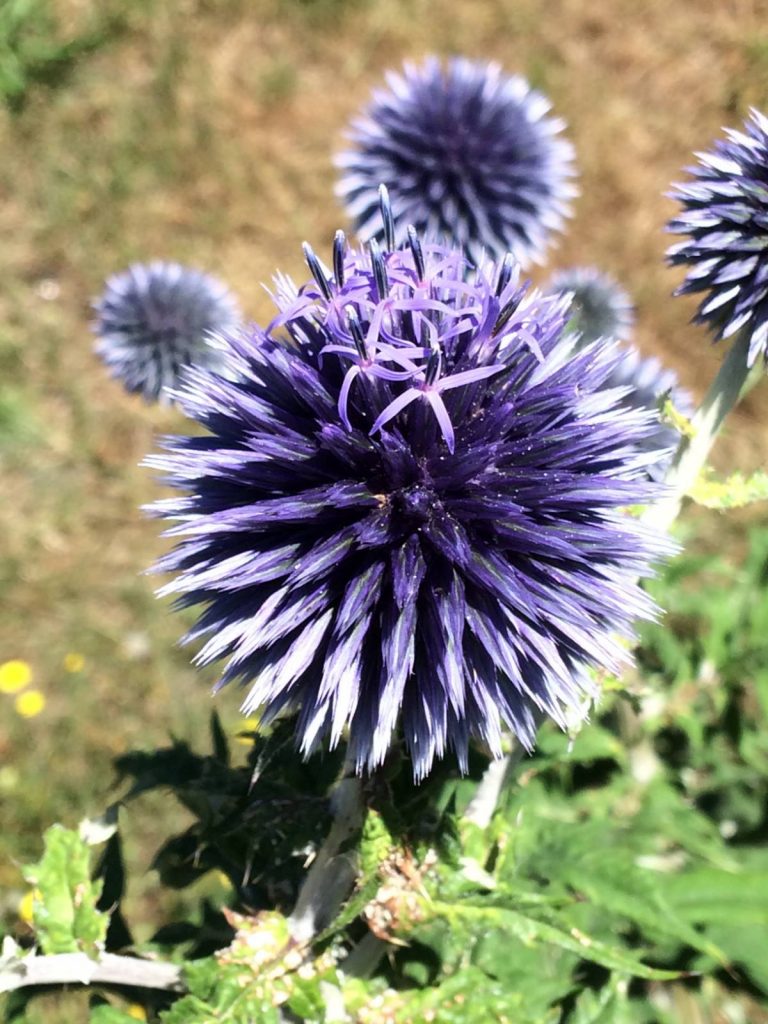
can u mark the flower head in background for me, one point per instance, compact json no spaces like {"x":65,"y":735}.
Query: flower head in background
{"x":409,"y":506}
{"x":470,"y":155}
{"x":649,"y":383}
{"x":155,"y":319}
{"x":600,"y":307}
{"x":725,"y":215}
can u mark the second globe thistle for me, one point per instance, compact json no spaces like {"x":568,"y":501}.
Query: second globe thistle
{"x":470,"y":155}
{"x":409,"y":509}
{"x":602,"y":309}
{"x":154,"y":320}
{"x":725,"y":216}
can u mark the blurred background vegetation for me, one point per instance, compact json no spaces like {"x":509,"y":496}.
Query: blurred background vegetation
{"x":203,"y":131}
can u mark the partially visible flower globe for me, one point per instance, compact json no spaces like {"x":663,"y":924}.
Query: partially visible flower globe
{"x":469,"y":154}
{"x":154,"y":320}
{"x":725,"y":215}
{"x":601,"y":308}
{"x":649,"y":385}
{"x":409,"y":510}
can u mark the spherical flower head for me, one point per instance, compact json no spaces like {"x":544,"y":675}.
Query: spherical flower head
{"x":409,"y":509}
{"x":649,"y":384}
{"x":600,"y":307}
{"x":468,"y":153}
{"x":156,"y":319}
{"x":725,"y":215}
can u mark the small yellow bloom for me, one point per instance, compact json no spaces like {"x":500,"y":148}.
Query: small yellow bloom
{"x":247,"y":725}
{"x":30,"y":703}
{"x":26,"y":905}
{"x":73,"y":662}
{"x":137,"y":1012}
{"x":14,"y":676}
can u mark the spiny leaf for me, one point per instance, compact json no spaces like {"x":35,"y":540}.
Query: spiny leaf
{"x":64,"y":908}
{"x":531,"y":930}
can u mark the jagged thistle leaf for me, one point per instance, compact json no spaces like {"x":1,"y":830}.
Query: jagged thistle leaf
{"x":64,"y":907}
{"x":531,"y":931}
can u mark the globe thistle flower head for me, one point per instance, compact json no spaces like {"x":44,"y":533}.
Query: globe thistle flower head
{"x":154,"y":320}
{"x":725,"y":216}
{"x":601,"y":308}
{"x":468,"y":153}
{"x":408,"y":511}
{"x":650,"y":384}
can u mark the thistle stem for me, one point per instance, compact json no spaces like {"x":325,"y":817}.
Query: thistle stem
{"x":731,"y":382}
{"x":332,"y":872}
{"x":364,"y":957}
{"x":79,"y":969}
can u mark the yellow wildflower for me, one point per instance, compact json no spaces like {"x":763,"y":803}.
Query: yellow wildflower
{"x":14,"y":676}
{"x":30,"y":703}
{"x":26,"y":905}
{"x":73,"y":662}
{"x":137,"y":1012}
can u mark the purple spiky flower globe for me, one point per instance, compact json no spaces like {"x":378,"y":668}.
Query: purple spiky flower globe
{"x":600,"y":308}
{"x":408,"y":512}
{"x":154,"y":320}
{"x":470,"y":155}
{"x":725,"y":215}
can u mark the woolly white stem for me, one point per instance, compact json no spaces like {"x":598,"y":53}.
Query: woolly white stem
{"x":79,"y":969}
{"x":332,"y":872}
{"x":482,"y":805}
{"x":730,"y":382}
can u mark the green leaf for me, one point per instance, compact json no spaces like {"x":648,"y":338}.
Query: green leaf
{"x":609,"y":1005}
{"x":708,"y":895}
{"x":633,"y":893}
{"x":467,"y":997}
{"x":221,"y":994}
{"x":64,"y":909}
{"x":531,"y":931}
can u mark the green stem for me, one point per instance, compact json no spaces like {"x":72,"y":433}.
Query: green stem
{"x":731,"y":382}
